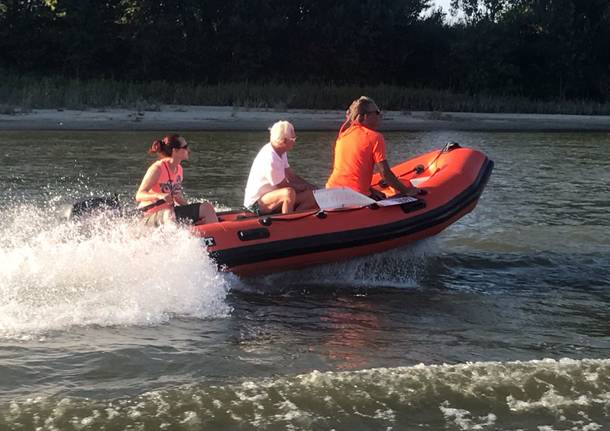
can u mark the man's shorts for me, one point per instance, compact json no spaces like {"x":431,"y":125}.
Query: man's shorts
{"x":254,"y":208}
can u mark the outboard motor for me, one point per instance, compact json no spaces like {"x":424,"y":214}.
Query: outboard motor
{"x":91,"y":206}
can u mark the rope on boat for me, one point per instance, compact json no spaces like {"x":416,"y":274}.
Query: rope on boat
{"x":419,"y":169}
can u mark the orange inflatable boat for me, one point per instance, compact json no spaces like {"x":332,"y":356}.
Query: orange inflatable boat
{"x":453,"y":179}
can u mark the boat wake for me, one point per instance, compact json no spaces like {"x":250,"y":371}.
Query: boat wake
{"x":100,"y":271}
{"x":541,"y":394}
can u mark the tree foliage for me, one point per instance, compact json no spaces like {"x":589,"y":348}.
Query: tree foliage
{"x":536,"y":48}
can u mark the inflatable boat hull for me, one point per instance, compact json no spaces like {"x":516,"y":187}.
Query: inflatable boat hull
{"x":249,"y":245}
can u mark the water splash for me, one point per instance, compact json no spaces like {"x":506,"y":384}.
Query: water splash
{"x":100,"y":271}
{"x":398,"y":268}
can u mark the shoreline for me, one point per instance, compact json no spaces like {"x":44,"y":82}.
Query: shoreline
{"x":214,"y":118}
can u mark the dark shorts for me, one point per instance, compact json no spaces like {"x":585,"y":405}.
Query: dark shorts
{"x":254,"y":208}
{"x":187,"y":213}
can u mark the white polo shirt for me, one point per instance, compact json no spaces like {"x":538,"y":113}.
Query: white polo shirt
{"x":267,"y":171}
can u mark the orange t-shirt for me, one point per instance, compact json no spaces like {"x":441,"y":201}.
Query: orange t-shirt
{"x":357,"y":150}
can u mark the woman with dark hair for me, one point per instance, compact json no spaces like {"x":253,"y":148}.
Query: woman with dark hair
{"x":160,"y":194}
{"x":360,"y":148}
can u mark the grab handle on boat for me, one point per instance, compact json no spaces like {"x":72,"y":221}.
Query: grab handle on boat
{"x":252,"y":234}
{"x":412,"y":206}
{"x":265,"y":221}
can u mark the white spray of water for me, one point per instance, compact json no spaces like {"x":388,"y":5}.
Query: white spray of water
{"x":395,"y":268}
{"x":102,"y":271}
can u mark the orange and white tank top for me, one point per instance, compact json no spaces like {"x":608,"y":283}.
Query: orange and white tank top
{"x":168,"y":182}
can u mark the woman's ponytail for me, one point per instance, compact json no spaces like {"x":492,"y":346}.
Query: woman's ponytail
{"x":163,"y":147}
{"x":155,"y":148}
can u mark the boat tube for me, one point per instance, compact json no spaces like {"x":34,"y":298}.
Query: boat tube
{"x":347,"y":227}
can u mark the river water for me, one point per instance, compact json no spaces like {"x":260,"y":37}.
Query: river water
{"x":501,"y":322}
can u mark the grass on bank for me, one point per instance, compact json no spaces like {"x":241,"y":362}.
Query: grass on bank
{"x":22,"y":94}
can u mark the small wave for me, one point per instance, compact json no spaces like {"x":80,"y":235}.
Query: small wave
{"x":101,"y":271}
{"x":540,"y":394}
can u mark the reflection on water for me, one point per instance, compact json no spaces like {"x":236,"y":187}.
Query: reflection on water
{"x":353,"y":332}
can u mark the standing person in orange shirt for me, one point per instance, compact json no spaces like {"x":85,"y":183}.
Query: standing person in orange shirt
{"x":360,"y":148}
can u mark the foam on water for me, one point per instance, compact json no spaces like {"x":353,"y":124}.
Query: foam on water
{"x":100,"y":271}
{"x":541,"y":394}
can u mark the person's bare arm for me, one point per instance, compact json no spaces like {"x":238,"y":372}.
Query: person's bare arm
{"x":297,"y":182}
{"x":391,"y":180}
{"x":180,"y":199}
{"x":145,"y":194}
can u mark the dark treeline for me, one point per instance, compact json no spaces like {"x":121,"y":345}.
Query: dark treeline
{"x":541,"y":49}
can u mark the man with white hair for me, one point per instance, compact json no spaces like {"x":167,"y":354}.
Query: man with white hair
{"x":272,"y":185}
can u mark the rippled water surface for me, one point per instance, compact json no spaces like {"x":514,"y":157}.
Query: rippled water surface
{"x":499,"y":322}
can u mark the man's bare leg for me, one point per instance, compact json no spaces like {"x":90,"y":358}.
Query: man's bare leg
{"x":207,"y":214}
{"x":284,"y":198}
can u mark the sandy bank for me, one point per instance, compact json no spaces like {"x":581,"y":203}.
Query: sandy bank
{"x":182,"y":118}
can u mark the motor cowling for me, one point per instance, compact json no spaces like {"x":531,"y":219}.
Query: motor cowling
{"x":91,"y":206}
